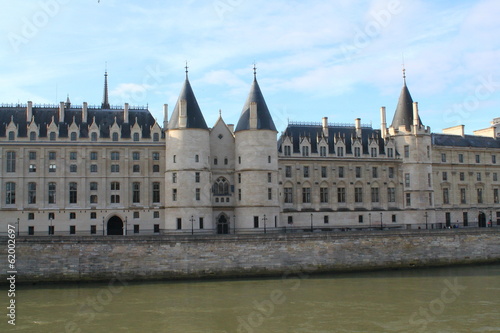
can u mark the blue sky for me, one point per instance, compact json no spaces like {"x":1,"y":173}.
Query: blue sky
{"x":341,"y":59}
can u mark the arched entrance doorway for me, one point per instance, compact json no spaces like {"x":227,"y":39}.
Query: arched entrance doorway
{"x":222,"y":224}
{"x":115,"y":226}
{"x":481,"y":219}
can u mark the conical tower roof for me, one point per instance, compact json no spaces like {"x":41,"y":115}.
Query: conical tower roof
{"x":264,"y":119}
{"x":194,"y":116}
{"x":404,"y":110}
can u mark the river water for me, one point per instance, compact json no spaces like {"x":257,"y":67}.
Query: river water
{"x":455,"y":299}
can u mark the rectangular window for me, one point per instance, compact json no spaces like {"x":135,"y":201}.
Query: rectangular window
{"x":306,"y":195}
{"x":32,"y":168}
{"x":358,"y":172}
{"x":52,"y":193}
{"x":93,"y":229}
{"x":374,"y":172}
{"x":358,"y":194}
{"x":196,"y":158}
{"x":407,"y":151}
{"x":306,"y":171}
{"x":443,"y":157}
{"x":305,"y":151}
{"x":269,"y":194}
{"x":93,"y":215}
{"x":326,"y":219}
{"x":374,"y":152}
{"x":493,"y":159}
{"x":322,"y":151}
{"x":239,"y":194}
{"x":174,"y":194}
{"x":429,"y":179}
{"x":52,"y":155}
{"x":156,"y":168}
{"x":73,"y":168}
{"x":196,"y":177}
{"x":478,"y":158}
{"x":31,"y":230}
{"x":479,"y":195}
{"x":156,"y":228}
{"x":288,"y":151}
{"x":269,"y":177}
{"x":11,"y":161}
{"x":466,"y":219}
{"x":10,"y":193}
{"x":408,"y":199}
{"x":288,"y":195}
{"x":200,"y":223}
{"x":463,"y":197}
{"x":31,"y":193}
{"x":32,"y":155}
{"x":462,"y":176}
{"x":390,"y":152}
{"x":340,"y":151}
{"x":52,"y":168}
{"x":73,"y":191}
{"x":341,"y":172}
{"x":136,"y":156}
{"x":93,"y":168}
{"x":357,"y":151}
{"x":115,"y":168}
{"x":290,"y":219}
{"x":115,"y":186}
{"x":391,"y":194}
{"x":478,"y":176}
{"x":288,"y":171}
{"x":323,"y":194}
{"x":72,"y":230}
{"x":495,"y":176}
{"x":375,"y":194}
{"x":93,"y":156}
{"x":73,"y":156}
{"x":135,"y":168}
{"x":197,"y":194}
{"x":156,"y":192}
{"x":341,"y":194}
{"x":446,"y":196}
{"x":174,"y":177}
{"x":495,"y":196}
{"x":407,"y":180}
{"x":156,"y":214}
{"x":179,"y":223}
{"x":324,"y":173}
{"x":445,"y":176}
{"x":136,"y":228}
{"x":255,"y":221}
{"x":115,"y":198}
{"x":391,"y":172}
{"x":136,"y":192}
{"x":360,"y":218}
{"x":115,"y":156}
{"x":460,"y":158}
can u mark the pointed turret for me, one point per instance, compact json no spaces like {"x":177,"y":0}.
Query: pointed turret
{"x":187,"y":113}
{"x":404,"y":111}
{"x":105,"y":101}
{"x":262,"y":115}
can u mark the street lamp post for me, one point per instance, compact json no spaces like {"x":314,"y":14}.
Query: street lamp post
{"x":426,"y":225}
{"x":311,"y":222}
{"x":192,"y":226}
{"x":381,"y":225}
{"x":126,"y":226}
{"x":265,"y":219}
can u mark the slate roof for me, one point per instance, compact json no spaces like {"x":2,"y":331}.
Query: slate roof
{"x":297,"y":132}
{"x":104,"y":118}
{"x":194,"y":116}
{"x":465,"y":141}
{"x":404,"y":110}
{"x":264,"y":119}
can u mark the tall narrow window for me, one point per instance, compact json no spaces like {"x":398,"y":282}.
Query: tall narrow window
{"x":323,"y":194}
{"x":341,"y":194}
{"x":391,"y":194}
{"x":156,"y":192}
{"x":136,"y":137}
{"x":136,"y":192}
{"x":10,"y":193}
{"x":31,"y":193}
{"x":407,"y":151}
{"x":288,"y":195}
{"x":306,"y":195}
{"x":73,"y":136}
{"x":52,"y":193}
{"x":358,"y":194}
{"x":93,"y":136}
{"x":375,"y":194}
{"x":12,"y":135}
{"x":197,"y":194}
{"x":324,"y":172}
{"x":11,"y":161}
{"x":446,"y":196}
{"x":115,"y":136}
{"x":73,"y":192}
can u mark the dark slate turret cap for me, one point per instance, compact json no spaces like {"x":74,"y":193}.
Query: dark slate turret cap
{"x":404,"y":110}
{"x":194,"y":116}
{"x":264,"y":119}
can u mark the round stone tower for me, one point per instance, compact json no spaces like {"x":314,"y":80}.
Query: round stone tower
{"x":256,"y":166}
{"x":187,"y":168}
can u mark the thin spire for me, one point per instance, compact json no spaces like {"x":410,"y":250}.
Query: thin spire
{"x":105,"y":101}
{"x":404,"y":70}
{"x":186,"y":69}
{"x":254,"y":71}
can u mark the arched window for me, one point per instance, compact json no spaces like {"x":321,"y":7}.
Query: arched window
{"x":221,"y":186}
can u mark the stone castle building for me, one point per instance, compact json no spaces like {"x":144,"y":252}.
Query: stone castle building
{"x":109,"y":170}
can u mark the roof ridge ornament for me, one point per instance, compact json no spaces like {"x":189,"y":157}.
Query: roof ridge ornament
{"x":254,"y":71}
{"x":186,"y":67}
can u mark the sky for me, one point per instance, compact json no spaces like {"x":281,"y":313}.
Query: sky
{"x":340,"y":59}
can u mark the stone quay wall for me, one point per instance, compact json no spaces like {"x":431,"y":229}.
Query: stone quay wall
{"x":57,"y":259}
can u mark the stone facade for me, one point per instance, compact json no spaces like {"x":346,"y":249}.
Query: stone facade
{"x":78,"y":170}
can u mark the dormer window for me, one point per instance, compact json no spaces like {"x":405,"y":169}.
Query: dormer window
{"x":32,"y":136}
{"x":93,"y":136}
{"x":52,"y":136}
{"x":12,"y":135}
{"x":357,"y":151}
{"x":115,"y":136}
{"x":340,"y":151}
{"x":73,"y":136}
{"x":322,"y":151}
{"x":156,"y":137}
{"x":136,"y":137}
{"x":305,"y":151}
{"x":288,"y":151}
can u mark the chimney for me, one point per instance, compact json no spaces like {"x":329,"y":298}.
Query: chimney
{"x":182,"y":113}
{"x":61,"y":112}
{"x":415,"y":116}
{"x":125,"y":113}
{"x":383,"y":122}
{"x":29,"y":111}
{"x":253,"y":115}
{"x":325,"y":126}
{"x":357,"y":123}
{"x":165,"y":116}
{"x":84,"y":112}
{"x":231,"y":127}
